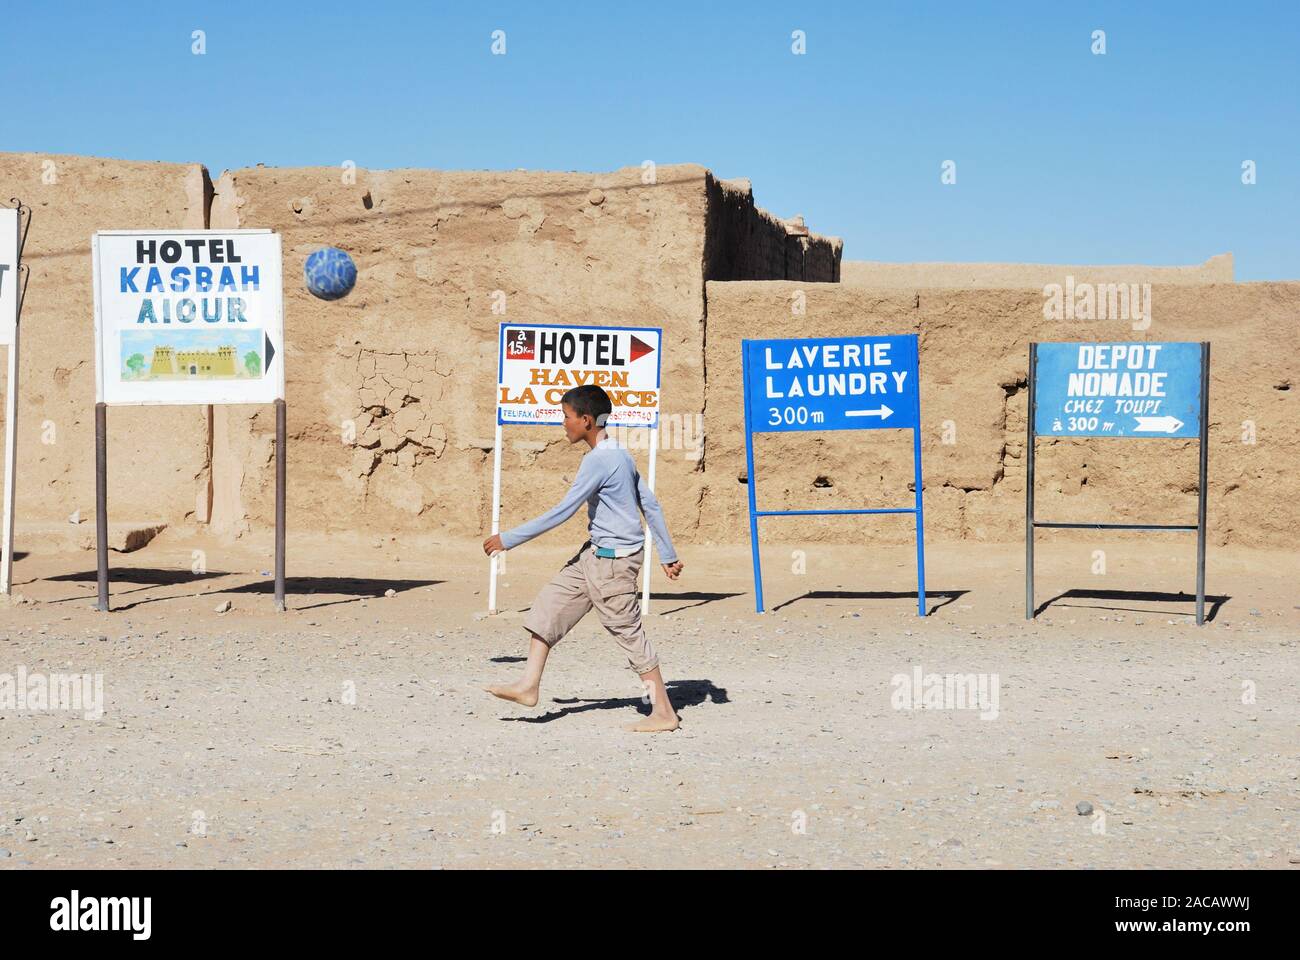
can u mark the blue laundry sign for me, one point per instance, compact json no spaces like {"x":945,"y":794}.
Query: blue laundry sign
{"x":831,"y":383}
{"x":1118,"y":390}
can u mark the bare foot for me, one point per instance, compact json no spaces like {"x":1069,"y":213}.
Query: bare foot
{"x":655,"y":724}
{"x":515,"y":693}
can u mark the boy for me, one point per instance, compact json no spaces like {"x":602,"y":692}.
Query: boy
{"x":604,"y":572}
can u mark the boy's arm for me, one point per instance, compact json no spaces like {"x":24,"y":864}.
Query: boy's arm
{"x":654,"y":518}
{"x":584,"y":485}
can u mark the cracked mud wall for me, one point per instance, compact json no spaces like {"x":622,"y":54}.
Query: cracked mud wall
{"x":974,"y":367}
{"x":390,"y":390}
{"x":157,"y":457}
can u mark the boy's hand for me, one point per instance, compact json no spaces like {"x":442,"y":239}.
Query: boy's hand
{"x":673,"y":570}
{"x":493,"y":544}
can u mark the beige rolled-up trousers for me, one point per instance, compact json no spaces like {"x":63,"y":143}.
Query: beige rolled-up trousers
{"x":609,"y":584}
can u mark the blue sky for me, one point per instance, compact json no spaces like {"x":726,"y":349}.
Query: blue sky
{"x":1061,"y":155}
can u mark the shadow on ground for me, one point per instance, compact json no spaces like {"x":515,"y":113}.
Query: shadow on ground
{"x":702,"y":599}
{"x":684,"y":694}
{"x":949,"y":595}
{"x":145,"y":577}
{"x":1135,"y":596}
{"x":351,"y":589}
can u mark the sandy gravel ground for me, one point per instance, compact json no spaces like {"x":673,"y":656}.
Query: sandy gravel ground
{"x":352,"y":730}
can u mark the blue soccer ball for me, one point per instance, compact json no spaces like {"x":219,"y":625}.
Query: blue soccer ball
{"x":330,"y":273}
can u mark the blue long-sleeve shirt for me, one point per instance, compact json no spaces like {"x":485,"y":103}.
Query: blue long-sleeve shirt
{"x":614,"y":490}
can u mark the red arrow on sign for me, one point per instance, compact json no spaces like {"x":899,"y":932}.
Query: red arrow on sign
{"x":640,"y":348}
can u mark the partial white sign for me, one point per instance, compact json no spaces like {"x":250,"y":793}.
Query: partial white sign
{"x":188,"y":316}
{"x":8,"y":274}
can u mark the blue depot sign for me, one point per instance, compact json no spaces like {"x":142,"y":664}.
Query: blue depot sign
{"x":832,"y":383}
{"x":836,"y":383}
{"x":1118,"y":390}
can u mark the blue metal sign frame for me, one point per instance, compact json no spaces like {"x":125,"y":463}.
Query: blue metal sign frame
{"x":841,"y":383}
{"x":1179,"y":360}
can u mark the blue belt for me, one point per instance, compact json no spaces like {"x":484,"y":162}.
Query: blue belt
{"x":613,"y":553}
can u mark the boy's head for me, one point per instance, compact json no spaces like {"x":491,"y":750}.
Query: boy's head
{"x":586,"y":409}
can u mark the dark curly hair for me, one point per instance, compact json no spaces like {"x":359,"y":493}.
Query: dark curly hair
{"x":589,"y":400}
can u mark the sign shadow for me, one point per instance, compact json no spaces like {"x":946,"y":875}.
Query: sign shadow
{"x":949,"y":595}
{"x":1133,"y":596}
{"x":146,"y":577}
{"x":702,"y":597}
{"x":353,"y":589}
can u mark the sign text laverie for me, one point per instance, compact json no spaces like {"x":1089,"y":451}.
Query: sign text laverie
{"x":1118,"y":390}
{"x":833,"y":383}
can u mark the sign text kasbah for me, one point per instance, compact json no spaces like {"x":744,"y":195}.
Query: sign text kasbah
{"x":189,"y":317}
{"x":203,"y":278}
{"x":538,"y":364}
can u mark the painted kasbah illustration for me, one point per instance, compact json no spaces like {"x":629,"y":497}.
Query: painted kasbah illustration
{"x":200,"y":355}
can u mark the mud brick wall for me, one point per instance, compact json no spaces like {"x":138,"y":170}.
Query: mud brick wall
{"x":158,"y":456}
{"x":406,"y":364}
{"x":390,"y":390}
{"x":974,"y":368}
{"x":1004,"y":276}
{"x":746,"y":242}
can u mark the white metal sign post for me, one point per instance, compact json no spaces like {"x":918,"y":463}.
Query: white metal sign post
{"x":11,"y":245}
{"x":187,"y":317}
{"x":537,"y":364}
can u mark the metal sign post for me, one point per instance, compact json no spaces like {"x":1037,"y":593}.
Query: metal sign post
{"x":1029,"y":485}
{"x":649,"y":544}
{"x":101,"y":506}
{"x":1118,"y":390}
{"x":187,"y":317}
{"x":538,"y":363}
{"x":281,"y":459}
{"x":496,"y":516}
{"x":1202,"y":484}
{"x":836,"y":383}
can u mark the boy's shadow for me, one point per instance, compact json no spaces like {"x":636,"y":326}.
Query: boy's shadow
{"x":684,"y":693}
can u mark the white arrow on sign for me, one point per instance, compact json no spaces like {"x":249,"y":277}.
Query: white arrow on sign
{"x":882,"y":413}
{"x":1157,"y":424}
